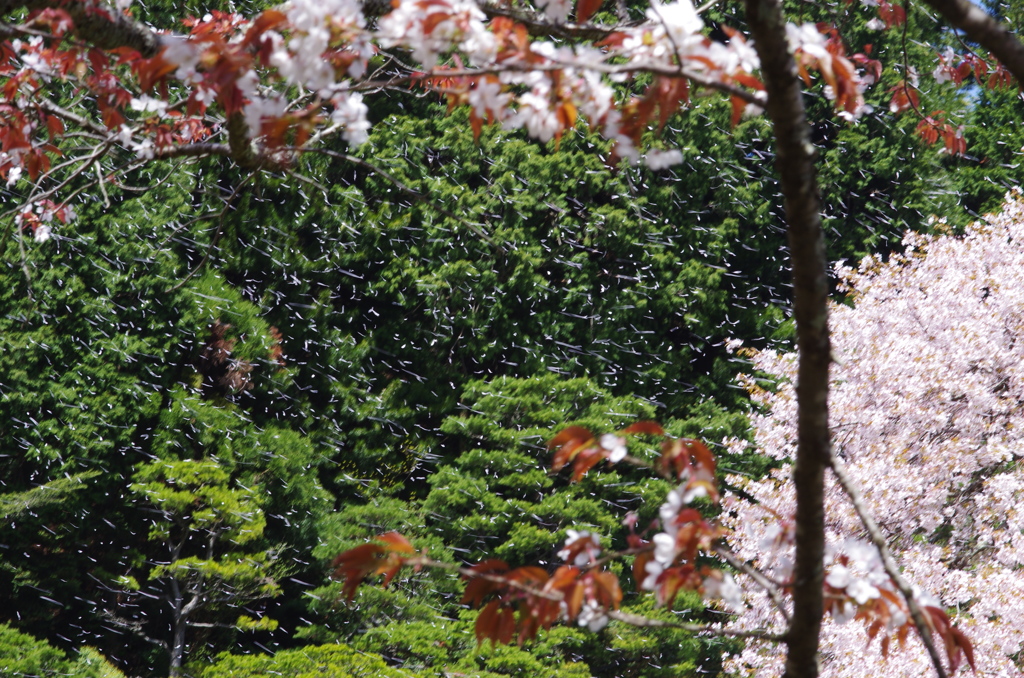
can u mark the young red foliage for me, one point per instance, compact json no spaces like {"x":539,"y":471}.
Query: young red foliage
{"x":355,"y":565}
{"x":586,"y":9}
{"x":569,"y":441}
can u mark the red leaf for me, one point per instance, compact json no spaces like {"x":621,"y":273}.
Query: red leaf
{"x":269,"y":19}
{"x":586,"y":460}
{"x":675,"y":579}
{"x":54,"y":126}
{"x":964,"y":643}
{"x":151,"y":71}
{"x":506,"y":626}
{"x":640,"y":567}
{"x":738,"y":106}
{"x":355,"y":565}
{"x":486,"y":626}
{"x":529,"y":576}
{"x":396,"y":542}
{"x":651,"y":428}
{"x":477,"y":124}
{"x":478,"y":588}
{"x":586,"y":9}
{"x":749,"y":81}
{"x":569,"y":433}
{"x":926,"y":129}
{"x":571,"y":439}
{"x":607,"y":589}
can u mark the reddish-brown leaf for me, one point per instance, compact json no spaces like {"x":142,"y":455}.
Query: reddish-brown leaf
{"x":928,"y":131}
{"x":586,"y":460}
{"x":701,"y":455}
{"x":675,"y":579}
{"x":640,"y":567}
{"x":964,"y":644}
{"x":529,"y":575}
{"x":354,"y":565}
{"x":607,"y":589}
{"x":151,"y":71}
{"x":568,"y":440}
{"x":651,"y":428}
{"x":396,"y":542}
{"x":738,"y":106}
{"x":267,"y":20}
{"x":486,"y":626}
{"x":54,"y":126}
{"x":476,"y":124}
{"x":574,"y":601}
{"x":586,"y":9}
{"x":479,"y":588}
{"x":749,"y":81}
{"x":506,"y":626}
{"x":902,"y":633}
{"x":528,"y":625}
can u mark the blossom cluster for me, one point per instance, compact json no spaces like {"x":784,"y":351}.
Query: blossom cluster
{"x":926,"y":415}
{"x":298,"y":71}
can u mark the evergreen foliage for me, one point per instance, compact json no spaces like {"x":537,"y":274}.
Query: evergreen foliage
{"x":315,"y":661}
{"x":343,"y":358}
{"x":22,"y":656}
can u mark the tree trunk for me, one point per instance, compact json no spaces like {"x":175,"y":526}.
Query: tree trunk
{"x":795,"y":157}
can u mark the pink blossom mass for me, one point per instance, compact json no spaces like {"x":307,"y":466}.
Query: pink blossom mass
{"x":926,"y":414}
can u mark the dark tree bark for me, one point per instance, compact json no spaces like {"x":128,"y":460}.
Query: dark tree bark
{"x":795,"y":158}
{"x":984,"y":30}
{"x":100,"y":26}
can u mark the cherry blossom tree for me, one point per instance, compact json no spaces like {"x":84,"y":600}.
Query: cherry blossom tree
{"x":89,"y":93}
{"x":925,"y":397}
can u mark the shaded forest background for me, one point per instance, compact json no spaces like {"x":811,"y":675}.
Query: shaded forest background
{"x":223,"y":398}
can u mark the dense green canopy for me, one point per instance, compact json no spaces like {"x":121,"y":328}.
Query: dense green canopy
{"x":387,"y":344}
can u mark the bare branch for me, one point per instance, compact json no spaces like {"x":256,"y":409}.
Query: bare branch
{"x":986,"y":31}
{"x":878,"y":539}
{"x":756,"y":98}
{"x":99,"y":25}
{"x":759,"y":578}
{"x":539,"y":25}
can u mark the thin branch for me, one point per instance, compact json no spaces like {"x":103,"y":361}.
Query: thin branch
{"x":759,"y":578}
{"x":756,"y":98}
{"x":538,"y":25}
{"x":134,"y":626}
{"x":878,"y":539}
{"x":982,"y":28}
{"x":101,"y":25}
{"x":906,"y":72}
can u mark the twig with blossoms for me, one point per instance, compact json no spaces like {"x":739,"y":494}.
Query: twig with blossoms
{"x":878,"y":539}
